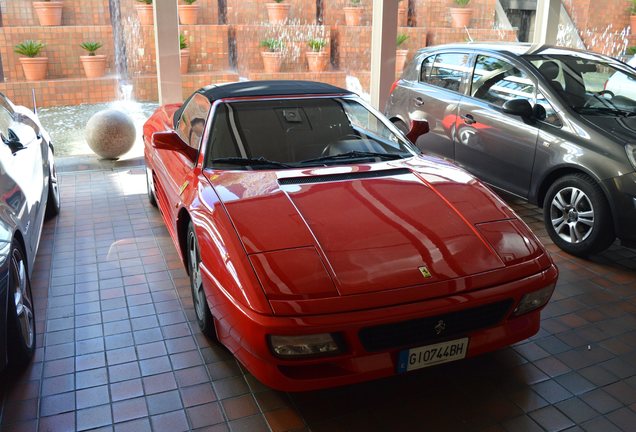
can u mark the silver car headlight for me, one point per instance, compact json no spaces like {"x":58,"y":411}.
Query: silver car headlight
{"x":630,"y":149}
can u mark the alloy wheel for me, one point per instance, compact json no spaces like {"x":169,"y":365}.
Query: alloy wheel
{"x":572,"y":215}
{"x":22,"y":298}
{"x":195,"y":276}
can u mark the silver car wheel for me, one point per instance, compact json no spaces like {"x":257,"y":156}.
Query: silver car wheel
{"x":198,"y":294}
{"x":22,"y":300}
{"x":572,"y":215}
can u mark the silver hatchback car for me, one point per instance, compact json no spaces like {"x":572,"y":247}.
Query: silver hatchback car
{"x":537,"y":122}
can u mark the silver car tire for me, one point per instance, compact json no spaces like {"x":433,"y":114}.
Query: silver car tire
{"x":53,"y":202}
{"x":151,"y":191}
{"x":199,"y":300}
{"x":577,"y":216}
{"x":20,"y":315}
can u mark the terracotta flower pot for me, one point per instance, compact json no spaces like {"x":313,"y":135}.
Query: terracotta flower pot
{"x":632,"y":24}
{"x":277,"y":12}
{"x":400,"y":59}
{"x":188,"y":14}
{"x":49,"y":12}
{"x":94,"y":66}
{"x":402,"y":16}
{"x":185,"y":60}
{"x":34,"y":67}
{"x":461,"y":17}
{"x":272,"y":61}
{"x":145,"y":14}
{"x":353,"y":15}
{"x":317,"y":61}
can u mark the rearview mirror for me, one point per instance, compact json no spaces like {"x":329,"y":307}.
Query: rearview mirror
{"x":518,"y":107}
{"x":418,"y":128}
{"x":171,"y":141}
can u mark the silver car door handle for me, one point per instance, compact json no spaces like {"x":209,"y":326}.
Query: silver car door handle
{"x":469,"y":119}
{"x":418,"y":101}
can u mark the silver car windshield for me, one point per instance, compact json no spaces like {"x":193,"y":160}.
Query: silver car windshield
{"x":290,"y":133}
{"x":590,"y":85}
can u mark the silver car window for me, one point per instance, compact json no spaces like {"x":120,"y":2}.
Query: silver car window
{"x":449,"y":70}
{"x":497,"y":81}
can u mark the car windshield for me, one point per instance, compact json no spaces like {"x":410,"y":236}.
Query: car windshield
{"x":589,"y":84}
{"x":292,"y":133}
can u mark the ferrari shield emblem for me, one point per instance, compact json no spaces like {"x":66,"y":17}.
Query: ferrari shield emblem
{"x":425,"y":272}
{"x":183,"y":187}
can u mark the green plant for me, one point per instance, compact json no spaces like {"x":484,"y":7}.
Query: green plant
{"x":632,"y":7}
{"x":272,"y":44}
{"x":316,"y":45}
{"x":355,"y":2}
{"x":631,"y":50}
{"x":462,"y":3}
{"x":148,"y":2}
{"x":29,"y":48}
{"x":401,"y":38}
{"x":189,"y":2}
{"x":91,"y":47}
{"x":279,"y":1}
{"x":183,"y":43}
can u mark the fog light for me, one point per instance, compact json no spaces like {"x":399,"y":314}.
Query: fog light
{"x":534,"y":300}
{"x":304,"y":345}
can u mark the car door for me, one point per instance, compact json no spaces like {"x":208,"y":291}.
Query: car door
{"x":176,"y":172}
{"x":24,"y":165}
{"x":436,"y":99}
{"x":496,"y":147}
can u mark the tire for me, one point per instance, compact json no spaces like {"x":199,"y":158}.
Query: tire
{"x":201,"y":308}
{"x":20,"y":319}
{"x":151,"y":192}
{"x":53,"y":201}
{"x":577,"y":216}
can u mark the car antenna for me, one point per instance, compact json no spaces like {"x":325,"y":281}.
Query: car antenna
{"x":470,"y":39}
{"x":35,"y":106}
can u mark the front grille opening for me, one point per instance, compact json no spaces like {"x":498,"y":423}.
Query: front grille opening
{"x":422,"y":331}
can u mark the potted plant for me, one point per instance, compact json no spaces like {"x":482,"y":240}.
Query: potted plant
{"x":317,"y":57}
{"x":277,"y":12}
{"x":49,"y":12}
{"x":402,"y":13}
{"x":184,"y":52}
{"x":631,"y":50}
{"x":144,"y":12}
{"x":400,"y":53}
{"x":353,"y":13}
{"x":188,"y":12}
{"x":632,"y":18}
{"x":462,"y":14}
{"x":94,"y":64}
{"x":34,"y":67}
{"x":272,"y":55}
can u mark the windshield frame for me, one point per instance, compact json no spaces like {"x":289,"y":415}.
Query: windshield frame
{"x":405,"y":145}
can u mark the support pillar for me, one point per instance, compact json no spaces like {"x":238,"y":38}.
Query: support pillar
{"x":547,"y":22}
{"x":383,"y":35}
{"x":167,"y":46}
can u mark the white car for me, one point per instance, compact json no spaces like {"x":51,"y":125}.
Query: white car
{"x":621,"y":83}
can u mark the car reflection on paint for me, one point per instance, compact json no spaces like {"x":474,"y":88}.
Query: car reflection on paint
{"x":323,"y":249}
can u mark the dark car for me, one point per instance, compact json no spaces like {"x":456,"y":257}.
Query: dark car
{"x":28,"y":193}
{"x":537,"y":122}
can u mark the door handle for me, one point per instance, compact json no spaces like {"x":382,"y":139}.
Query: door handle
{"x":418,"y":101}
{"x":469,"y":119}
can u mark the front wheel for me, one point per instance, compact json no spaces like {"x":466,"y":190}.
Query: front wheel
{"x":20,"y":318}
{"x":53,"y":201}
{"x":577,"y":216}
{"x":201,"y":309}
{"x":151,"y":189}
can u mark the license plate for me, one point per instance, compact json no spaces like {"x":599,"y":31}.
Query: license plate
{"x":430,"y":355}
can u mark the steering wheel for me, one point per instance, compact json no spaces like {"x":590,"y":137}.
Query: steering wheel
{"x":606,"y":92}
{"x":333,"y":144}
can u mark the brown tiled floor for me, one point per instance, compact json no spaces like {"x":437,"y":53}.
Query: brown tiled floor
{"x":118,"y":348}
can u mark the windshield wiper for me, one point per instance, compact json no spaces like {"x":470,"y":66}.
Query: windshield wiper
{"x":261,"y":161}
{"x":354,"y":155}
{"x":604,"y":110}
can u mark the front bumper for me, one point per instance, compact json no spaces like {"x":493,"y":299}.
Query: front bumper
{"x":622,"y":198}
{"x":245,"y":333}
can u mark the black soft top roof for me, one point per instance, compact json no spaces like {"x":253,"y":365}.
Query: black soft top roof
{"x":268,"y":88}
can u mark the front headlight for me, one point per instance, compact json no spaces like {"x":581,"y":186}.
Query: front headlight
{"x":304,"y":345}
{"x":534,"y":300}
{"x":630,"y":149}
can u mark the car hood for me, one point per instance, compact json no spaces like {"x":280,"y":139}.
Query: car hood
{"x":622,"y":129}
{"x":370,"y":227}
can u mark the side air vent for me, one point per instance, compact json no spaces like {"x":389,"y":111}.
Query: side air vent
{"x":342,"y":177}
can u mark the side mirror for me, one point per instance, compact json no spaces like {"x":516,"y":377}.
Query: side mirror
{"x":418,"y":128}
{"x":518,"y":107}
{"x":171,"y":141}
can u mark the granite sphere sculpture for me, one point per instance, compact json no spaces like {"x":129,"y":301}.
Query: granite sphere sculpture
{"x":110,"y":133}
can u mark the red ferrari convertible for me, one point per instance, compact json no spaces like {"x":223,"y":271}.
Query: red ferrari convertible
{"x":323,"y":249}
